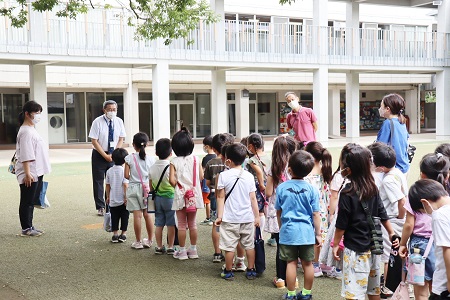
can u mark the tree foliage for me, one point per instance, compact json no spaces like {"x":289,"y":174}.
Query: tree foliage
{"x":167,"y":19}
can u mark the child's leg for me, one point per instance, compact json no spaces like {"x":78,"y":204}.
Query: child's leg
{"x":280,"y":264}
{"x":421,"y":292}
{"x":208,"y":211}
{"x":158,"y":235}
{"x":149,"y":224}
{"x":124,"y":217}
{"x":309,"y":274}
{"x":115,"y":216}
{"x":229,"y":258}
{"x":192,"y":227}
{"x":240,"y":251}
{"x":291,"y":274}
{"x":170,"y":236}
{"x":215,"y":239}
{"x":182,"y":218}
{"x":137,"y":218}
{"x":250,"y":258}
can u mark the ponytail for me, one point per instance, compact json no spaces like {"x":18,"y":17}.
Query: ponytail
{"x":326,"y":166}
{"x":21,"y":118}
{"x":140,"y":141}
{"x":142,"y":151}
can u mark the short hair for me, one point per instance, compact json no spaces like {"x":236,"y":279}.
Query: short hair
{"x":109,"y":102}
{"x":443,"y":149}
{"x":383,"y":155}
{"x":29,"y":107}
{"x":163,"y":148}
{"x":301,"y":163}
{"x":207,"y":141}
{"x":118,"y":156}
{"x":221,"y":139}
{"x":236,"y":152}
{"x":290,"y":93}
{"x":182,"y":143}
{"x":428,"y":189}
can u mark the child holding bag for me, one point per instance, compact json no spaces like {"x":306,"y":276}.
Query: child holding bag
{"x":185,"y":176}
{"x":137,"y":166}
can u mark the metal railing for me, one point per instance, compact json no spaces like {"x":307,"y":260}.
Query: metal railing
{"x":105,"y":33}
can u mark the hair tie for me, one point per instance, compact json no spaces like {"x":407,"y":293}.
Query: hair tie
{"x":439,"y":155}
{"x":142,"y":144}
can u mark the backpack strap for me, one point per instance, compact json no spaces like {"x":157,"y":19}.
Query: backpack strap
{"x":427,"y":250}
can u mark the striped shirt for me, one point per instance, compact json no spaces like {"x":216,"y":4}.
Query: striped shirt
{"x":115,"y":178}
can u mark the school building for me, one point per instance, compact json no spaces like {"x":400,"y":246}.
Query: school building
{"x":341,"y":57}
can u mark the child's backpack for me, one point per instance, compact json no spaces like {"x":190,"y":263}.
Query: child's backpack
{"x":189,"y":196}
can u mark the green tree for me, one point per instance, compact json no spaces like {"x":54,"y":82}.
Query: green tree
{"x":168,"y":19}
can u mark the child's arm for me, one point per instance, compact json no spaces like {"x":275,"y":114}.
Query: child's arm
{"x":446,"y":254}
{"x":401,"y":208}
{"x":200,"y":175}
{"x":333,"y":202}
{"x":279,"y":218}
{"x":269,"y":186}
{"x":406,"y":233}
{"x":220,"y":198}
{"x":316,"y":220}
{"x":387,"y":225}
{"x":255,"y":208}
{"x":338,"y":234}
{"x":259,"y":176}
{"x":172,"y":176}
{"x":127,"y":171}
{"x":125,"y":187}
{"x":108,"y":190}
{"x":151,"y":187}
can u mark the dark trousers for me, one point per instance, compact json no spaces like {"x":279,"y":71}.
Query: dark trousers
{"x":99,"y":168}
{"x":279,"y":264}
{"x":119,"y":213}
{"x":28,"y":197}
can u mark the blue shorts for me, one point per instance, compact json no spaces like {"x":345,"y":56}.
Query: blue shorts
{"x":213,"y":201}
{"x":164,"y":215}
{"x":421,"y":242}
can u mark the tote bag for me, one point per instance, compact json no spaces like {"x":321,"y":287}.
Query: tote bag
{"x":260,"y":256}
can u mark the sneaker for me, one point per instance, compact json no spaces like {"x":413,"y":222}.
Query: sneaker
{"x":300,"y":296}
{"x":250,"y":274}
{"x":218,"y":257}
{"x":30,"y":232}
{"x":170,"y":251}
{"x":192,"y":254}
{"x":181,"y":255}
{"x":278,"y":283}
{"x":227,"y":275}
{"x":101,"y":212}
{"x":286,"y":297}
{"x":147,"y":243}
{"x":115,"y":239}
{"x":159,"y":250}
{"x":38,"y":230}
{"x":137,"y":245}
{"x":385,"y":292}
{"x":334,"y":273}
{"x":206,"y":222}
{"x":271,"y":242}
{"x":240,"y":266}
{"x":326,"y":269}
{"x":317,"y":271}
{"x":122,"y":238}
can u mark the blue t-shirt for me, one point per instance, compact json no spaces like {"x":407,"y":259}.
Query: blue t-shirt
{"x":297,"y":200}
{"x":399,"y":143}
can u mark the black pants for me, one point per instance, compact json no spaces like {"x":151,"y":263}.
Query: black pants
{"x":119,"y":213}
{"x":28,"y":197}
{"x":279,"y":264}
{"x":99,"y":168}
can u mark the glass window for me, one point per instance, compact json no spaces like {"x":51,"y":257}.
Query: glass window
{"x":94,"y":107}
{"x":181,"y":96}
{"x":231,"y":96}
{"x":145,"y":119}
{"x":203,"y":108}
{"x":266,"y":113}
{"x":55,"y":103}
{"x":12,"y":106}
{"x":75,"y":117}
{"x":145,"y":96}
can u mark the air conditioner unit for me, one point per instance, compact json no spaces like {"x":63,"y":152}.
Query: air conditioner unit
{"x":437,"y":2}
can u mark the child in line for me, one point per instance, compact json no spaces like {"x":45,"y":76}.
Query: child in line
{"x":361,"y":267}
{"x":183,"y":178}
{"x":298,"y":216}
{"x":393,"y":191}
{"x":430,"y":197}
{"x":237,"y":211}
{"x":207,"y":148}
{"x":417,"y":227}
{"x":444,"y":149}
{"x":320,"y":177}
{"x":137,"y":168}
{"x":283,"y":147}
{"x":116,"y":187}
{"x":257,"y":165}
{"x":164,"y":215}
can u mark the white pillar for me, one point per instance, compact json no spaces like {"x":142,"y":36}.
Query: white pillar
{"x":412,"y":109}
{"x":161,"y":106}
{"x":320,"y":102}
{"x":218,"y":6}
{"x":38,"y":93}
{"x":442,"y":104}
{"x":443,"y":26}
{"x":352,"y":105}
{"x":242,"y":115}
{"x":334,"y":112}
{"x":219,"y":107}
{"x":320,"y":23}
{"x":352,"y":26}
{"x":131,"y":110}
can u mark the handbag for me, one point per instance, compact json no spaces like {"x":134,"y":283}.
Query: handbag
{"x":416,"y":272}
{"x":260,"y":256}
{"x":151,"y":196}
{"x":189,"y":196}
{"x":411,"y":150}
{"x":107,"y":226}
{"x":12,"y":164}
{"x":401,"y":292}
{"x":376,"y":234}
{"x":43,"y":201}
{"x":145,"y":187}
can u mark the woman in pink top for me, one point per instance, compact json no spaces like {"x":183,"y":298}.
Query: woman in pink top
{"x":418,"y":225}
{"x":301,"y":119}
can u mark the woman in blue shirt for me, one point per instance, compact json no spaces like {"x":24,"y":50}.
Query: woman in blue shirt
{"x":392,"y":108}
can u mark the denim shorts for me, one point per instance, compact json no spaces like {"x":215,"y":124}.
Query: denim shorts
{"x":164,"y":215}
{"x":421,"y":242}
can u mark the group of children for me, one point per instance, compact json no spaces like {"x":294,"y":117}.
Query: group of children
{"x":319,"y":221}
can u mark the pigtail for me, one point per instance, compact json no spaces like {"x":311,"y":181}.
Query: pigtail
{"x":142,"y":153}
{"x":327,"y":166}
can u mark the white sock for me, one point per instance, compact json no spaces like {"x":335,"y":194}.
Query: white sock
{"x":262,"y":220}
{"x":182,"y":248}
{"x":240,"y":259}
{"x":193,"y":247}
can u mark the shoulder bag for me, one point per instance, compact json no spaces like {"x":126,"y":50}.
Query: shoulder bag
{"x":411,"y":149}
{"x":151,"y":196}
{"x":416,"y":272}
{"x":12,"y":164}
{"x":189,"y":196}
{"x":376,"y":235}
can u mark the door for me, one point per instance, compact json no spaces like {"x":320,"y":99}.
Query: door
{"x":182,"y":114}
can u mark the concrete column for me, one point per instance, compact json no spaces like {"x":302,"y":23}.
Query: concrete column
{"x":320,"y":23}
{"x":412,"y":109}
{"x":352,"y":105}
{"x":219,"y":107}
{"x":320,"y":102}
{"x":443,"y":26}
{"x":131,"y":110}
{"x":242,"y":115}
{"x":219,"y":7}
{"x":352,"y":26}
{"x":38,"y":93}
{"x":442,"y":104}
{"x":161,"y":106}
{"x":334,"y":112}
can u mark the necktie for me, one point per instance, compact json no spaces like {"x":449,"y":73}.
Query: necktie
{"x":110,"y":137}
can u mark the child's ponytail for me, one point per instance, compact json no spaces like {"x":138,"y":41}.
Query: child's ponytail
{"x":140,"y":141}
{"x":321,"y":154}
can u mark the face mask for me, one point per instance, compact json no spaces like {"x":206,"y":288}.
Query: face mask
{"x":204,"y":150}
{"x":429,"y":206}
{"x":294,"y":104}
{"x":381,"y":111}
{"x":36,"y":118}
{"x":111,"y":114}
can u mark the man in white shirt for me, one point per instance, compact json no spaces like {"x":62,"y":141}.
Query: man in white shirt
{"x":107,"y":133}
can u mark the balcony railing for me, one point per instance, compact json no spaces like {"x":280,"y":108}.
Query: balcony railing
{"x":105,"y":33}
